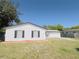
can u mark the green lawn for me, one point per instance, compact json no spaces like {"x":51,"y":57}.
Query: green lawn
{"x":51,"y":49}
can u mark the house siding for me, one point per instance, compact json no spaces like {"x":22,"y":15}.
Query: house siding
{"x":9,"y":35}
{"x":53,"y":34}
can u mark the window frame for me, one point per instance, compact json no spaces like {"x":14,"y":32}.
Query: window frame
{"x":16,"y":34}
{"x":33,"y":34}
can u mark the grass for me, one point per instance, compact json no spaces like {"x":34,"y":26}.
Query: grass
{"x":51,"y":49}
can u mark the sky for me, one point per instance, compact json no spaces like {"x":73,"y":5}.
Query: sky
{"x":50,"y":12}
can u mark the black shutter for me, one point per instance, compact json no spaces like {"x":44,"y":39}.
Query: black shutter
{"x":38,"y":33}
{"x":15,"y":35}
{"x":23,"y":34}
{"x":32,"y":34}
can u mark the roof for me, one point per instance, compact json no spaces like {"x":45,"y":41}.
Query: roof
{"x":23,"y":24}
{"x":72,"y":30}
{"x":52,"y":30}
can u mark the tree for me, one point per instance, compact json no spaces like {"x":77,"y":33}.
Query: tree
{"x":75,"y":27}
{"x":60,"y":27}
{"x":55,"y":27}
{"x":8,"y":13}
{"x":51,"y":27}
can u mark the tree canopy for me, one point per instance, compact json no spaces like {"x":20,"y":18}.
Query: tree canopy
{"x":55,"y":27}
{"x":8,"y":13}
{"x":75,"y":27}
{"x":61,"y":27}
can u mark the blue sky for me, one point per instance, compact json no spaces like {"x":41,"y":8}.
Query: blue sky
{"x":50,"y":12}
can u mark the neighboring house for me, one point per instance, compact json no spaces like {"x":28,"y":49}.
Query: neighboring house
{"x":29,"y":31}
{"x":72,"y":33}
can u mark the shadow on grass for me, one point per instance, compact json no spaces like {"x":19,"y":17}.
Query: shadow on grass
{"x":77,"y":49}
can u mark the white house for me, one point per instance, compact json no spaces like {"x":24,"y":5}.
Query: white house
{"x":29,"y":31}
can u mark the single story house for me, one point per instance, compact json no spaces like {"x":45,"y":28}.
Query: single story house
{"x":71,"y":33}
{"x":29,"y":31}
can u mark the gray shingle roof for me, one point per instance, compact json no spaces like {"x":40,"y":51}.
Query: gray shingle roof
{"x":23,"y":24}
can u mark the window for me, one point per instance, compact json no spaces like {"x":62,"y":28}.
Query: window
{"x":38,"y":33}
{"x":23,"y":34}
{"x":15,"y":34}
{"x":35,"y":34}
{"x":32,"y":34}
{"x":74,"y":31}
{"x":19,"y":34}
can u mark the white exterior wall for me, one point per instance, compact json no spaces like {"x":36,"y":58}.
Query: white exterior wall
{"x":9,"y":35}
{"x":53,"y":34}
